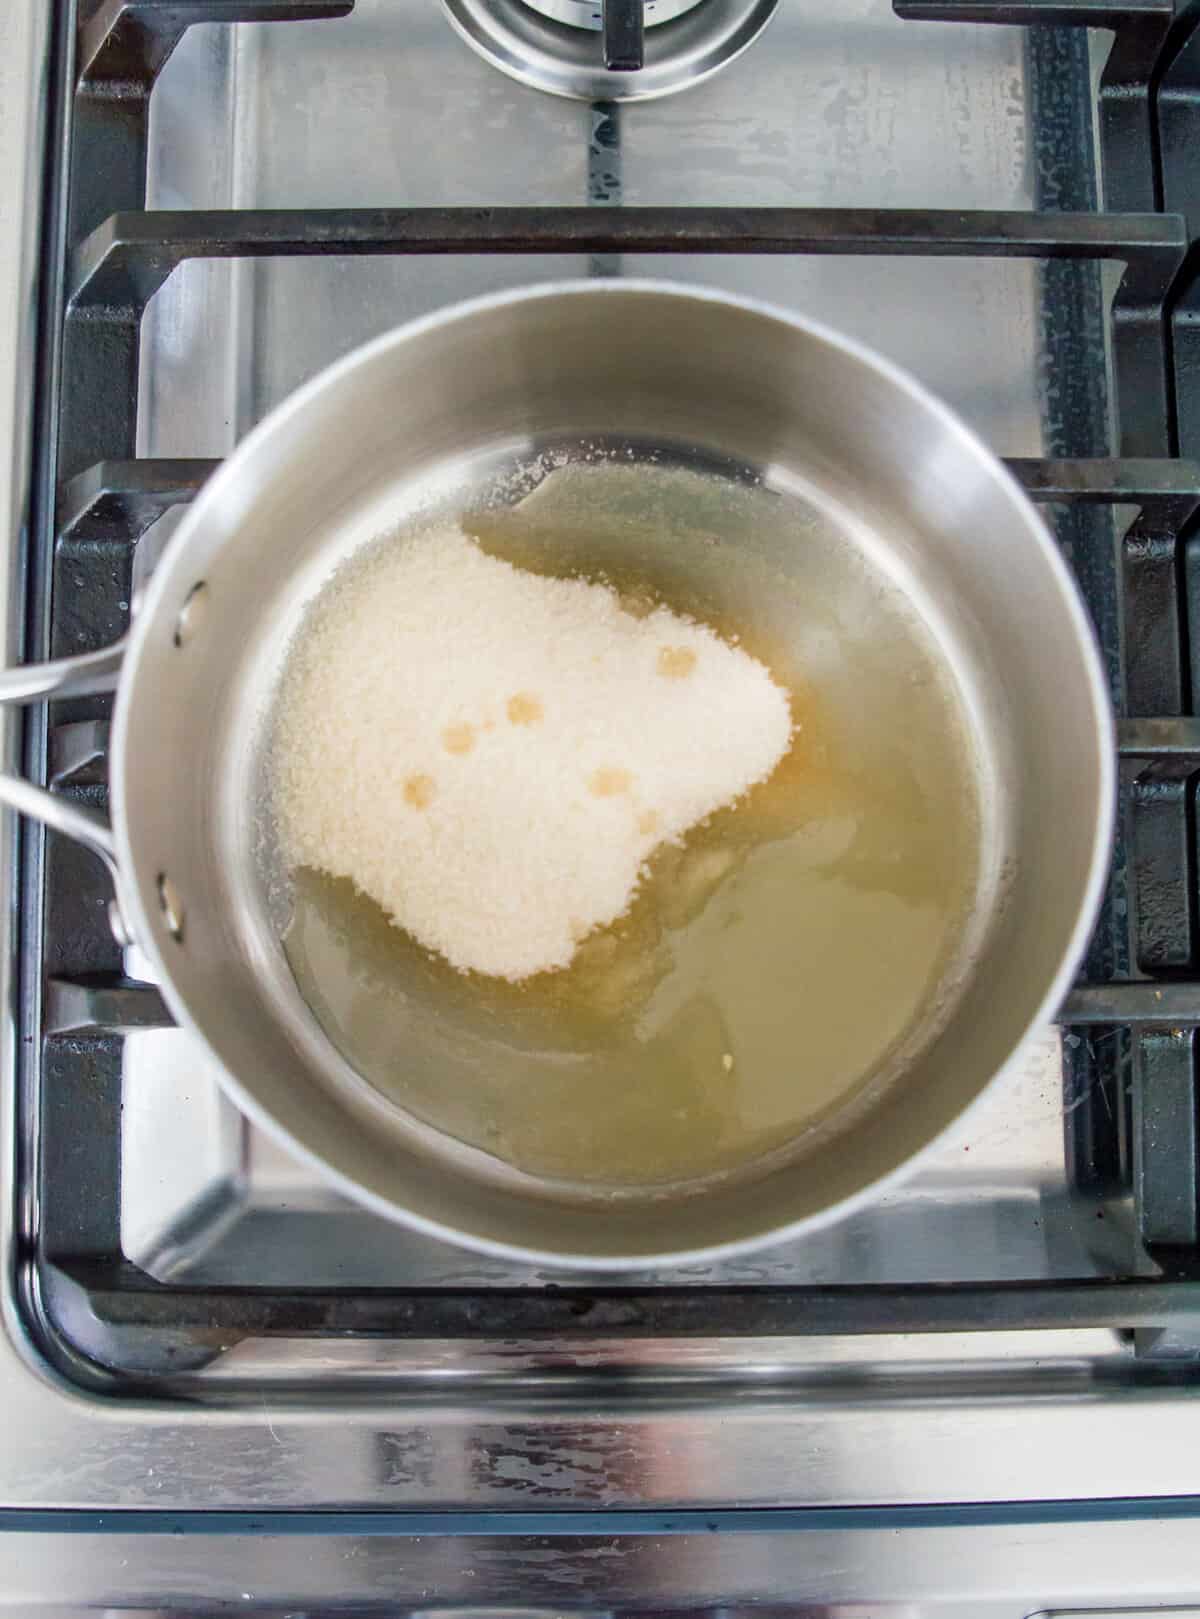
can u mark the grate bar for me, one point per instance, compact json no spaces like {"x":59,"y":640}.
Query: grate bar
{"x":1162,"y":921}
{"x":120,"y":50}
{"x":92,"y":1003}
{"x":1135,"y":480}
{"x":1178,"y":111}
{"x":1164,"y":1137}
{"x":123,"y":263}
{"x":121,"y":1295}
{"x":1052,"y":13}
{"x":127,"y":258}
{"x":1149,"y":739}
{"x":129,"y":41}
{"x":78,"y":753}
{"x":104,"y":1003}
{"x":1133,"y":1002}
{"x":127,"y":496}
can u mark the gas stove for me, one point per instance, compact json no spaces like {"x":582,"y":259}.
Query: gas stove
{"x":217,"y":198}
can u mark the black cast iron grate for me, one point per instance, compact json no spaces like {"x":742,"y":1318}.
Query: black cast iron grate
{"x":1136,"y":1014}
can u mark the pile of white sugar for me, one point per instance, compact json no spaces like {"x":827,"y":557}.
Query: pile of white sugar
{"x":491,"y":755}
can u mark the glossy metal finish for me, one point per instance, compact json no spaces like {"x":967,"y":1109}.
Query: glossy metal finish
{"x":695,"y":43}
{"x":880,"y":1431}
{"x":209,"y":1201}
{"x":589,"y":13}
{"x":87,"y":826}
{"x":1123,"y":1567}
{"x":884,"y":117}
{"x":652,"y":366}
{"x":65,"y":677}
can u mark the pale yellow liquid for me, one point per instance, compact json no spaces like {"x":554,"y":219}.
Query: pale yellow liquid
{"x":779,"y":965}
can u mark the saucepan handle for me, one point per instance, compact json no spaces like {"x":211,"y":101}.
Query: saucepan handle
{"x":81,"y":676}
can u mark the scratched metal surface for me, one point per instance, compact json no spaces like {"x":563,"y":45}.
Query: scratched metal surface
{"x":913,"y":1419}
{"x":836,"y":105}
{"x":932,"y":1571}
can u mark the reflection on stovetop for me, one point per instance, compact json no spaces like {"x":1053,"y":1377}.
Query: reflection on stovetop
{"x":216,"y":1202}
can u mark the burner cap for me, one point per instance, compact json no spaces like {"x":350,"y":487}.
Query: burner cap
{"x":555,"y":45}
{"x":588,"y":13}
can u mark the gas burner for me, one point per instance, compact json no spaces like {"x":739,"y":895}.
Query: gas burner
{"x":558,"y":45}
{"x":590,"y":13}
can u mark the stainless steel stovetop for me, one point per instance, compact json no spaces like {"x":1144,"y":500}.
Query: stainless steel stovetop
{"x":211,"y":1329}
{"x":380,"y":107}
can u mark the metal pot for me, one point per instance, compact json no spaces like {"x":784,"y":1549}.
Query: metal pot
{"x":650,"y":363}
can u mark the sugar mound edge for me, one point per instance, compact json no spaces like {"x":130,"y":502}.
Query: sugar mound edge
{"x":492,"y":755}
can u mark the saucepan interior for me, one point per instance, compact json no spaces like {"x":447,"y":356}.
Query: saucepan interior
{"x":429,"y":418}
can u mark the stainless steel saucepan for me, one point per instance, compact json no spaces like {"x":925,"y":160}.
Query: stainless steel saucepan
{"x":426,"y":408}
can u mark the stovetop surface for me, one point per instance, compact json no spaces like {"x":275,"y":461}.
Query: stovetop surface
{"x":1020,"y":1319}
{"x":887,"y":114}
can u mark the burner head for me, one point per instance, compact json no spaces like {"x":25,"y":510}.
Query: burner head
{"x":589,"y":13}
{"x":556,"y":45}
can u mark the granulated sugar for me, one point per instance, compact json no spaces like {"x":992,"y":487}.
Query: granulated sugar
{"x":492,"y":755}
